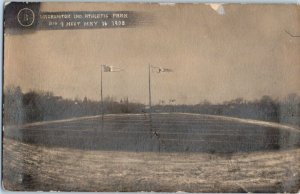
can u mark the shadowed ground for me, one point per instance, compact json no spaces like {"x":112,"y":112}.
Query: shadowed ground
{"x":198,"y":153}
{"x":177,"y":132}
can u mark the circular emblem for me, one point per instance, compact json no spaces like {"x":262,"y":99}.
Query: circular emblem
{"x":25,"y":17}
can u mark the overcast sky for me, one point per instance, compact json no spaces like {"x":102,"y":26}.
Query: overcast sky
{"x":244,"y":53}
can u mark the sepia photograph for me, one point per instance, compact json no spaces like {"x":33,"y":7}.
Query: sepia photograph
{"x":151,"y":97}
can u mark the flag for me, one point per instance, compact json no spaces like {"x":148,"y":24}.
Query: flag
{"x":162,"y":70}
{"x":108,"y":68}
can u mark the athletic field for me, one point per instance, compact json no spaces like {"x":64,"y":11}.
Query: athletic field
{"x":162,"y":152}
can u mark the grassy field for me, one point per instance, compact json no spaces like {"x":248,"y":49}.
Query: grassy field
{"x":167,"y":152}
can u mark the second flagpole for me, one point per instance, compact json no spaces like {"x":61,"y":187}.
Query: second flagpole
{"x":102,"y":104}
{"x":150,"y":108}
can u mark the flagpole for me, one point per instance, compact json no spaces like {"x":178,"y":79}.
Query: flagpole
{"x":102,"y":107}
{"x":150,"y":108}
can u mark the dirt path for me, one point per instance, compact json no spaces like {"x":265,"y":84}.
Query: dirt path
{"x":31,"y":167}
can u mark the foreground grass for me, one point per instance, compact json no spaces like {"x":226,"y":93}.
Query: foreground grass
{"x":33,"y":167}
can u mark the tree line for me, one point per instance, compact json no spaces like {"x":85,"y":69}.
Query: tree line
{"x":26,"y":107}
{"x":36,"y":106}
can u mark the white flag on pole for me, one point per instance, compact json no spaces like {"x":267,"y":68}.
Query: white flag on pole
{"x":162,"y":70}
{"x":108,"y":68}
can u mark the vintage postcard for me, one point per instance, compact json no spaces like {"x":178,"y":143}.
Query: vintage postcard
{"x":133,"y":97}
